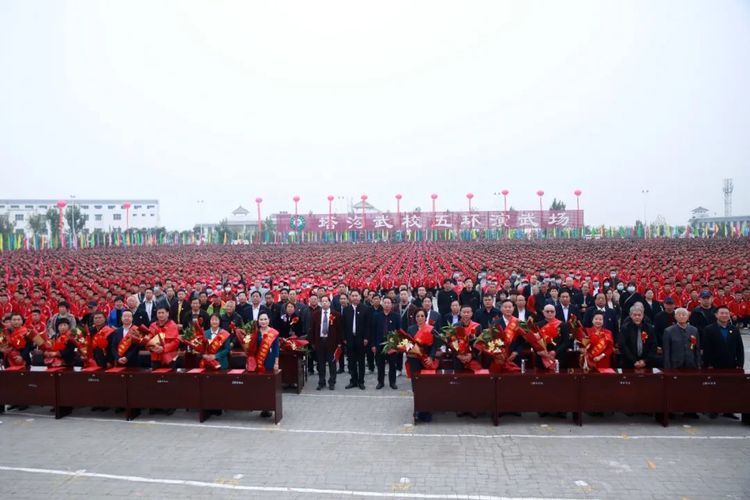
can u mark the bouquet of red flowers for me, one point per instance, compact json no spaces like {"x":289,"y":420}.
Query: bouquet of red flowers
{"x":193,"y":336}
{"x":536,"y":340}
{"x":212,"y":347}
{"x":491,"y":342}
{"x":133,"y":337}
{"x":12,"y":356}
{"x":397,"y":341}
{"x":81,"y":341}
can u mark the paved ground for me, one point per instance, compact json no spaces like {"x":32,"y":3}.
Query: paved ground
{"x":361,"y":443}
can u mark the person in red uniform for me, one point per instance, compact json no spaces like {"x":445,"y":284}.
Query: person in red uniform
{"x":163,"y":339}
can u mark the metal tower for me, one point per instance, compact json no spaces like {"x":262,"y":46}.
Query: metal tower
{"x":728,"y":188}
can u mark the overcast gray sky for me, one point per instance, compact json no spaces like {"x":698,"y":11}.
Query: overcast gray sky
{"x":226,"y":101}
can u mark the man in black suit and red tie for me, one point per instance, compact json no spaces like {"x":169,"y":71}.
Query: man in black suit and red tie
{"x":325,"y":337}
{"x":356,"y":326}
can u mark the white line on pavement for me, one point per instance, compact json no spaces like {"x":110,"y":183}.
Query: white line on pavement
{"x":271,"y":489}
{"x":623,"y":437}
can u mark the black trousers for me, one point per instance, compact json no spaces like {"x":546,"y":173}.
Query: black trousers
{"x":370,"y":360}
{"x":312,"y":356}
{"x":392,"y":360}
{"x":355,"y":354}
{"x":325,"y":360}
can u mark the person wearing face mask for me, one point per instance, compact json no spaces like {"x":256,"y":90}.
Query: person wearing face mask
{"x":629,"y":298}
{"x":613,"y":279}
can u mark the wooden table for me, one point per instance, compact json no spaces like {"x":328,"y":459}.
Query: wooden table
{"x":293,"y":366}
{"x":633,"y":391}
{"x":714,"y":391}
{"x":446,"y":390}
{"x":538,"y":392}
{"x":244,"y":392}
{"x":94,"y":388}
{"x":152,"y":389}
{"x":27,"y":388}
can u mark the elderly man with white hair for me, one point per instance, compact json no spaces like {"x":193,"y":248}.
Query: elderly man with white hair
{"x":681,"y":343}
{"x":637,"y":340}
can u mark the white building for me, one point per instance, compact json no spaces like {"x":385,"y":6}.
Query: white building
{"x":99,"y":214}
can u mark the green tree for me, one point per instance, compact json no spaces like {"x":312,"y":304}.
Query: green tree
{"x":38,"y":224}
{"x":53,"y":220}
{"x":75,"y":218}
{"x":269,"y":224}
{"x":557,"y":204}
{"x":223,"y":231}
{"x":5,"y":225}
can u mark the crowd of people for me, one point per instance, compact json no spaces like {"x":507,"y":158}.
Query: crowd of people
{"x":500,"y":306}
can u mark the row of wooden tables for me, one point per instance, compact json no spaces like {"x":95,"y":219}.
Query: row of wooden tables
{"x":632,"y":391}
{"x":136,"y":389}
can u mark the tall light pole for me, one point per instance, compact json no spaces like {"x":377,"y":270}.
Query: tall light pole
{"x":645,"y":224}
{"x":398,"y":209}
{"x":469,"y":196}
{"x":60,"y":224}
{"x":505,"y":193}
{"x":73,"y":220}
{"x":258,"y":201}
{"x":127,"y":206}
{"x":200,"y":211}
{"x":434,"y":217}
{"x":578,"y":192}
{"x":364,"y":220}
{"x":329,"y":226}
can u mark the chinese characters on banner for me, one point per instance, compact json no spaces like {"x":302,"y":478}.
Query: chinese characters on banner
{"x":455,"y":221}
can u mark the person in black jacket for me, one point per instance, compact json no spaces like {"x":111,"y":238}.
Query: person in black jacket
{"x":469,"y":296}
{"x":356,"y":326}
{"x":637,"y":341}
{"x":704,"y":314}
{"x":664,"y":319}
{"x":723,"y":347}
{"x":445,"y":297}
{"x":130,"y":356}
{"x":195,"y":313}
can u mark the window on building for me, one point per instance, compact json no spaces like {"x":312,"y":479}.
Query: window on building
{"x":152,"y":215}
{"x":15,"y":206}
{"x":150,"y":206}
{"x":116,"y":216}
{"x":19,"y":217}
{"x":29,"y":207}
{"x":98,"y":207}
{"x":2,"y":206}
{"x":85,"y":217}
{"x":98,"y":217}
{"x":42,"y":207}
{"x":110,"y":207}
{"x":85,"y":207}
{"x":136,"y":207}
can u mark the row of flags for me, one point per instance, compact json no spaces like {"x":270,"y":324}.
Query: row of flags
{"x":17,"y":241}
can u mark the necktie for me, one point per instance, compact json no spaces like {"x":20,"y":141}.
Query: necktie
{"x":639,"y":342}
{"x":325,"y":324}
{"x":354,"y":319}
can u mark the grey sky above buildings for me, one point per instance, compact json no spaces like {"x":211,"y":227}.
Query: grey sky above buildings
{"x":226,"y":101}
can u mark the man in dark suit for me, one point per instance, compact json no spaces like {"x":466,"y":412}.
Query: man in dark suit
{"x":325,"y":337}
{"x":454,"y":316}
{"x":446,"y":296}
{"x":486,"y":314}
{"x":723,"y":347}
{"x":565,"y":308}
{"x":356,"y":319}
{"x":637,"y":341}
{"x":194,"y":314}
{"x":610,"y":316}
{"x":146,"y":312}
{"x":177,"y":306}
{"x":384,"y":321}
{"x":433,"y":317}
{"x":469,"y":296}
{"x":130,"y":358}
{"x":520,"y":311}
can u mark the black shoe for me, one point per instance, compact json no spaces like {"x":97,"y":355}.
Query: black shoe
{"x":341,"y":370}
{"x":320,"y":387}
{"x":380,"y":385}
{"x":311,"y":372}
{"x":730,"y":415}
{"x":362,"y":386}
{"x":265,"y":414}
{"x":331,"y":387}
{"x":351,"y":385}
{"x":394,"y":387}
{"x":169,"y":411}
{"x":691,"y":415}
